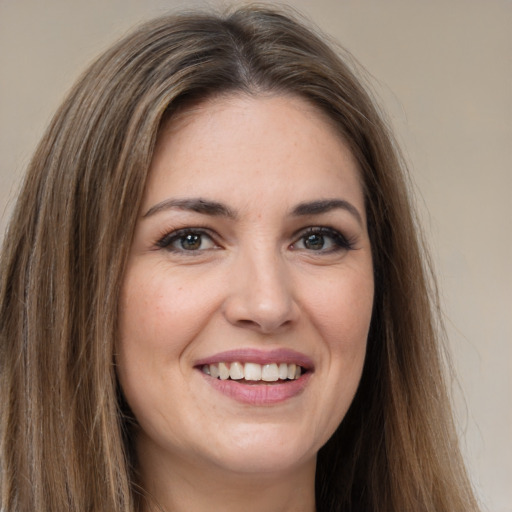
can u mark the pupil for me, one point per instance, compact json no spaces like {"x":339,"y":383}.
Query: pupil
{"x":191,"y":242}
{"x":314,"y":242}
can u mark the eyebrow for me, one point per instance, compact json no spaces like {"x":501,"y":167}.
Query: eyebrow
{"x":326,"y":205}
{"x":214,"y":208}
{"x":198,"y":205}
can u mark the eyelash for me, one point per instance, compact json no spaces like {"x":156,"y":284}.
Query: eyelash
{"x":168,"y":239}
{"x":339,"y":241}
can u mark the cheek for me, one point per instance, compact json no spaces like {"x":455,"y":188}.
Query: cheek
{"x":342,"y":309}
{"x":158,"y":312}
{"x":158,"y":319}
{"x":147,"y":335}
{"x":342,"y":316}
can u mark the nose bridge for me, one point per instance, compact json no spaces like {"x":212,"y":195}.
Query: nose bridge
{"x":262,"y":293}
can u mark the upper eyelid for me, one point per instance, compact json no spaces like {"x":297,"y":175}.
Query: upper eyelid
{"x":187,"y":229}
{"x":169,"y":236}
{"x":210,"y":232}
{"x":326,"y":229}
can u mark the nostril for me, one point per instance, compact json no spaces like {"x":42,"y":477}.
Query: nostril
{"x":264,"y":326}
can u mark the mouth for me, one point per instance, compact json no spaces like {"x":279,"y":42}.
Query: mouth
{"x":256,"y":377}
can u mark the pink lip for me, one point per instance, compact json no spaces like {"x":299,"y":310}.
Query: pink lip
{"x":247,"y":355}
{"x":262,"y":393}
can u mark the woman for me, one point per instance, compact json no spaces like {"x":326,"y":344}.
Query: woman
{"x":213,"y":293}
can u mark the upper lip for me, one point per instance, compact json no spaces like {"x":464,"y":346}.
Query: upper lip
{"x":248,"y":355}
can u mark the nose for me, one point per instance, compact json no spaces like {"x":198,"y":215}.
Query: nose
{"x":261,"y":294}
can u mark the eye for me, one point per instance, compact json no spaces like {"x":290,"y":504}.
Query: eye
{"x":187,"y":240}
{"x":321,"y":239}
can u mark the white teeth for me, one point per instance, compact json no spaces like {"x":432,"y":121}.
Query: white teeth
{"x":214,"y":371}
{"x":223,"y":371}
{"x":252,"y":371}
{"x":270,"y":372}
{"x":283,"y":371}
{"x":236,"y":371}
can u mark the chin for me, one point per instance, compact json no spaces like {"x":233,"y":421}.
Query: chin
{"x":272,"y":463}
{"x":268,"y":450}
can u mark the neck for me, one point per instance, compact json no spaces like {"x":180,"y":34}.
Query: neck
{"x":180,"y":486}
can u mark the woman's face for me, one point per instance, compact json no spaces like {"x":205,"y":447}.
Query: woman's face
{"x":247,"y":298}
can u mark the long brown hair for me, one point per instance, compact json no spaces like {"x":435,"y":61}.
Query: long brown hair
{"x":65,"y":443}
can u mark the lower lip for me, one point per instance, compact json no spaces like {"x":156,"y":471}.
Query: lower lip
{"x":262,"y":393}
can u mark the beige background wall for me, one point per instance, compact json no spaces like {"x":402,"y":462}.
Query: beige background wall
{"x":443,"y":69}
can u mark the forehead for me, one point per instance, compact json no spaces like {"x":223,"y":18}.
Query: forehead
{"x":243,"y":107}
{"x":252,"y":145}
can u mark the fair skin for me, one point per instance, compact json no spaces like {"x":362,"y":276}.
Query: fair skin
{"x":251,"y":247}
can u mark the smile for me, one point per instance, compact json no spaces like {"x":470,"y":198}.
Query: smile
{"x":256,"y":377}
{"x":253,"y":372}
